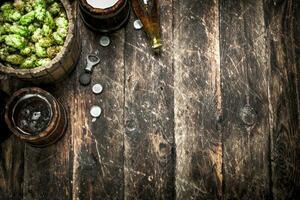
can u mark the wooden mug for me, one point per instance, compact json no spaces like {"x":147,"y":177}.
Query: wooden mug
{"x":104,"y":15}
{"x":36,"y":117}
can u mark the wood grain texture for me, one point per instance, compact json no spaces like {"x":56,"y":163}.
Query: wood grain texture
{"x":98,"y":146}
{"x":11,"y":156}
{"x":11,"y":168}
{"x":48,"y":171}
{"x":283,"y":22}
{"x":215,"y":116}
{"x":149,"y":117}
{"x":244,"y":76}
{"x":197,"y":100}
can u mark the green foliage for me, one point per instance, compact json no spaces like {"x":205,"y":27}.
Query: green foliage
{"x":54,"y":9}
{"x":27,"y":18}
{"x":37,"y":35}
{"x":57,"y":38}
{"x":19,"y":30}
{"x":40,"y":51}
{"x":29,"y":62}
{"x":14,"y":59}
{"x":42,"y":62}
{"x":32,"y":32}
{"x":15,"y":41}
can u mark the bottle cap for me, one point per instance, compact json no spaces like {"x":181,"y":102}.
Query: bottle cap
{"x":85,"y":79}
{"x":95,"y":111}
{"x":104,"y":41}
{"x":137,"y":24}
{"x":97,"y":88}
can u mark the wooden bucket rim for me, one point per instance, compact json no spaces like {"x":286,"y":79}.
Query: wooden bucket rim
{"x":20,"y":72}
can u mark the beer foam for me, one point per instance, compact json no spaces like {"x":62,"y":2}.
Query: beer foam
{"x":102,"y":4}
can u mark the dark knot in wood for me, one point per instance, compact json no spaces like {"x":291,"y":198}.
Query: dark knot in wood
{"x":248,"y":115}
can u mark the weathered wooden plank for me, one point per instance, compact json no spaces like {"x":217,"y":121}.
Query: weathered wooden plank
{"x":283,"y":23}
{"x":244,"y":76}
{"x":98,"y":146}
{"x":48,"y":171}
{"x":149,"y":101}
{"x":11,"y":168}
{"x":197,"y":100}
{"x":11,"y":154}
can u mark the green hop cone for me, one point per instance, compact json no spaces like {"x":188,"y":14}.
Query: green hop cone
{"x":43,"y":62}
{"x":57,"y":38}
{"x":61,"y":22}
{"x":40,"y":13}
{"x":39,"y":4}
{"x":40,"y":51}
{"x":63,"y":32}
{"x":54,"y":9}
{"x":7,"y":6}
{"x":49,"y":21}
{"x":15,"y":41}
{"x":45,"y":42}
{"x":29,"y":62}
{"x":14,"y":59}
{"x":47,"y":31}
{"x":20,"y":30}
{"x":15,"y":16}
{"x":37,"y":35}
{"x":53,"y":51}
{"x":27,"y":18}
{"x":28,"y":8}
{"x":26,"y":51}
{"x":31,"y":28}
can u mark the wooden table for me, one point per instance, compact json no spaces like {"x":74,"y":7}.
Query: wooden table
{"x":215,"y":116}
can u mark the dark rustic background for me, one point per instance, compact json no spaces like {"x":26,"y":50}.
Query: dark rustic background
{"x":216,"y":116}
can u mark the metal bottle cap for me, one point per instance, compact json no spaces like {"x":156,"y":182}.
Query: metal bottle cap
{"x":95,"y":111}
{"x":97,"y":88}
{"x":104,"y":41}
{"x":85,"y":79}
{"x":137,"y":24}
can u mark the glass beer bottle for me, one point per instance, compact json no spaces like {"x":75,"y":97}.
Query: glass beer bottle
{"x":148,"y":12}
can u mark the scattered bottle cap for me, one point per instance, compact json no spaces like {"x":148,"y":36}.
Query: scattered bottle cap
{"x":85,"y":79}
{"x":137,"y":24}
{"x":104,"y":41}
{"x":95,"y":111}
{"x":97,"y":88}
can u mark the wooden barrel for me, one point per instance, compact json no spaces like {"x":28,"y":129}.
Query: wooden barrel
{"x":105,"y":19}
{"x":35,"y":116}
{"x":61,"y":65}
